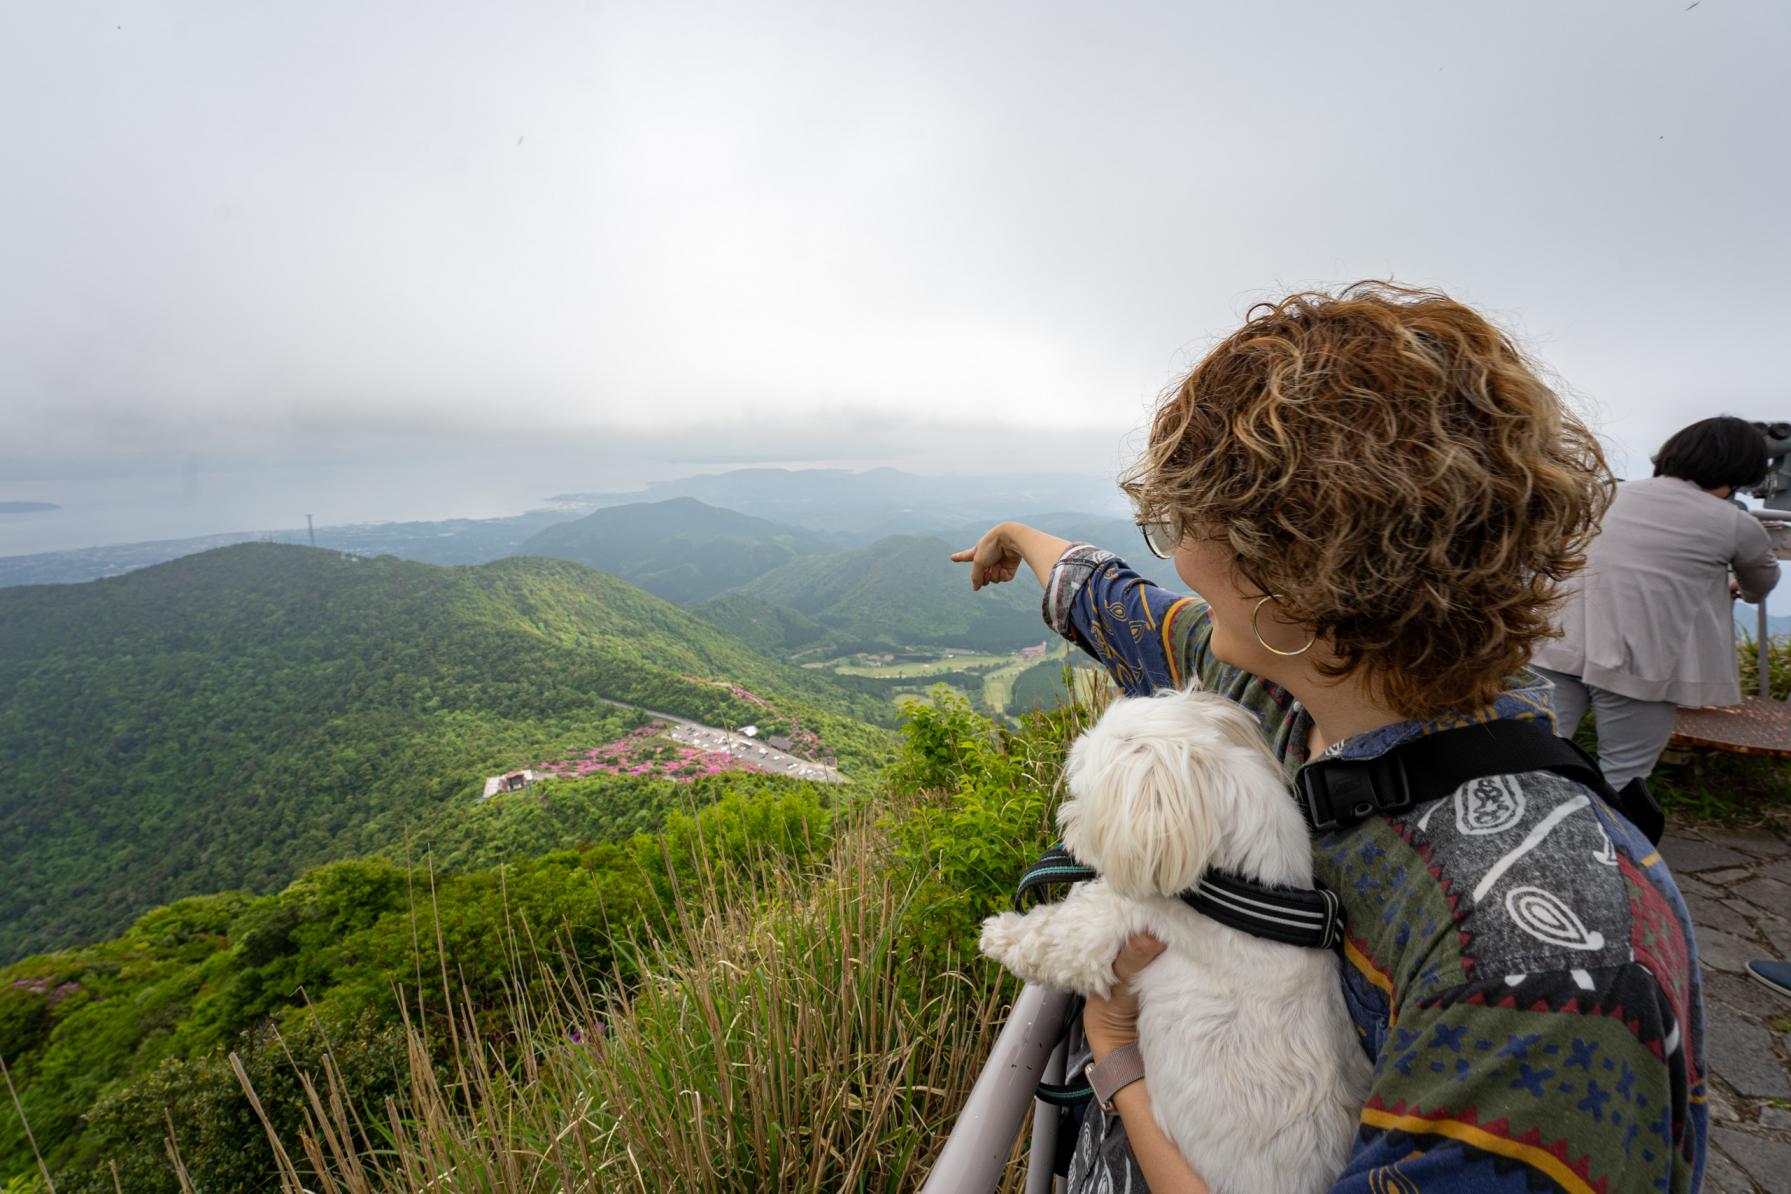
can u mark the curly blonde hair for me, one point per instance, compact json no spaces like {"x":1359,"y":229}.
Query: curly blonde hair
{"x":1390,"y":466}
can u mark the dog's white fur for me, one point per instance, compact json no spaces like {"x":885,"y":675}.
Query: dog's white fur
{"x":1252,"y":1063}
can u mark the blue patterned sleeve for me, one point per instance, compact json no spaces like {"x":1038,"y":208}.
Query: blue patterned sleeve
{"x":1135,"y":629}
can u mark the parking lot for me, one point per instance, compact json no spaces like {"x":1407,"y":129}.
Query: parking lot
{"x":754,"y":752}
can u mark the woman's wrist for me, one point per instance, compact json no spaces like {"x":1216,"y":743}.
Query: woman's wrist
{"x":1039,"y":549}
{"x":1132,"y":1103}
{"x":1103,"y":1041}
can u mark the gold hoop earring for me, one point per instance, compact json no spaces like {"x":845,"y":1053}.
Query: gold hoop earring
{"x":1258,"y":633}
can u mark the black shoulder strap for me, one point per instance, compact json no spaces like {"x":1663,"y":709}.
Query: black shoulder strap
{"x":1638,"y":804}
{"x":1333,"y":793}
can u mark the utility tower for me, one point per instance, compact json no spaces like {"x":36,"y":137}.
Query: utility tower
{"x":311,"y":530}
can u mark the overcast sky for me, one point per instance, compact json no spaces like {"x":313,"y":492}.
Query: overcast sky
{"x":255,"y":229}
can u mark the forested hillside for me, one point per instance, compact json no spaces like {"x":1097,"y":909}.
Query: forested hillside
{"x":105,"y":1043}
{"x":760,"y":624}
{"x":226,"y":719}
{"x":682,"y":549}
{"x":903,"y":590}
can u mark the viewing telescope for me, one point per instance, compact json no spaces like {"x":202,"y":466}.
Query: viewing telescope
{"x":1775,"y":488}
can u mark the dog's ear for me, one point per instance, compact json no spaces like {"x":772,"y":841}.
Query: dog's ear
{"x":1139,"y":814}
{"x":1240,"y":729}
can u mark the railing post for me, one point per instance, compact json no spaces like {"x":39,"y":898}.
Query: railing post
{"x":975,"y":1155}
{"x":1041,"y":1170}
{"x":1765,"y":655}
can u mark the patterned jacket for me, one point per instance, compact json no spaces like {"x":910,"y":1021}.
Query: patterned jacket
{"x":1519,"y":964}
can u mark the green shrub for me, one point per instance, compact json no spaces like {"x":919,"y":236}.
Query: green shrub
{"x":218,"y":1134}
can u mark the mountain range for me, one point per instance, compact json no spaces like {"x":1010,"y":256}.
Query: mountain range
{"x":848,"y":509}
{"x":867,"y":506}
{"x":783,"y":587}
{"x":681,"y":549}
{"x":1747,"y":621}
{"x":228,"y":717}
{"x":448,"y":541}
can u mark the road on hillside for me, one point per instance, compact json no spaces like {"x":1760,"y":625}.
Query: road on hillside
{"x":759,"y":755}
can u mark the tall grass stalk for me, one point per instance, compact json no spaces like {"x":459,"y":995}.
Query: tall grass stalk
{"x":12,"y":1092}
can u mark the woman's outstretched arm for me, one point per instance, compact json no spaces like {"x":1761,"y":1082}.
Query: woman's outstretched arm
{"x":1146,"y":637}
{"x":997,"y":555}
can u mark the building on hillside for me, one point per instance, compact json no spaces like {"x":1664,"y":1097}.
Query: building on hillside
{"x":510,"y":781}
{"x":749,"y":731}
{"x":1037,"y":652}
{"x":779,"y":742}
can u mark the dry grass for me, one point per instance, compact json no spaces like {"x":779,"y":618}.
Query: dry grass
{"x":782,"y":1039}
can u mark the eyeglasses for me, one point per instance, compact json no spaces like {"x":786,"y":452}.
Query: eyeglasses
{"x":1161,"y":535}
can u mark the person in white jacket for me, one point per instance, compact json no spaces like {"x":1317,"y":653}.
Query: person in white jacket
{"x":1646,"y":627}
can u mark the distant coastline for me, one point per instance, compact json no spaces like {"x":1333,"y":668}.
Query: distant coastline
{"x":27,"y":507}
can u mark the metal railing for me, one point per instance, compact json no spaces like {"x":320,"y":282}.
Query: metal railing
{"x":1778,"y":532}
{"x":1026,"y":1053}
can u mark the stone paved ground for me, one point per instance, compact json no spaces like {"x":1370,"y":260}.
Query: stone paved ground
{"x":1737,"y":883}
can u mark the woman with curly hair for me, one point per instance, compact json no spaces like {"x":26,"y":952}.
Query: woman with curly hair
{"x":1377,"y":500}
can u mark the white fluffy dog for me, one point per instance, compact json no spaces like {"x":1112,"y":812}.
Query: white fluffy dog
{"x":1252,"y":1064}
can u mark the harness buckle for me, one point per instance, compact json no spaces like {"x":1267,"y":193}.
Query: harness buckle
{"x":1333,"y":793}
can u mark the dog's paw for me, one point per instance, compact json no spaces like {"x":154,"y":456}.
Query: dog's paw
{"x":1000,"y":936}
{"x":1096,"y":982}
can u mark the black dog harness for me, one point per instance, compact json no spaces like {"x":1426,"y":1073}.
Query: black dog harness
{"x":1312,"y":917}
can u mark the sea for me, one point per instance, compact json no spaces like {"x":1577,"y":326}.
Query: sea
{"x":102,"y":503}
{"x":189,"y":499}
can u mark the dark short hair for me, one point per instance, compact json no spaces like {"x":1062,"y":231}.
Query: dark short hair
{"x":1714,"y":452}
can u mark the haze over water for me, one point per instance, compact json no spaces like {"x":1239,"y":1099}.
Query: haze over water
{"x":426,"y":479}
{"x":181,"y":503}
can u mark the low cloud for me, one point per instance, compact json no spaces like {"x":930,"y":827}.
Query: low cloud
{"x":251,"y":232}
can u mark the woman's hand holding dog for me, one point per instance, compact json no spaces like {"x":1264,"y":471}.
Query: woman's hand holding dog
{"x":1113,"y":1022}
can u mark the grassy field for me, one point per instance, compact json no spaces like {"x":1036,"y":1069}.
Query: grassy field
{"x":986,"y":680}
{"x":917,"y":670}
{"x":998,"y":685}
